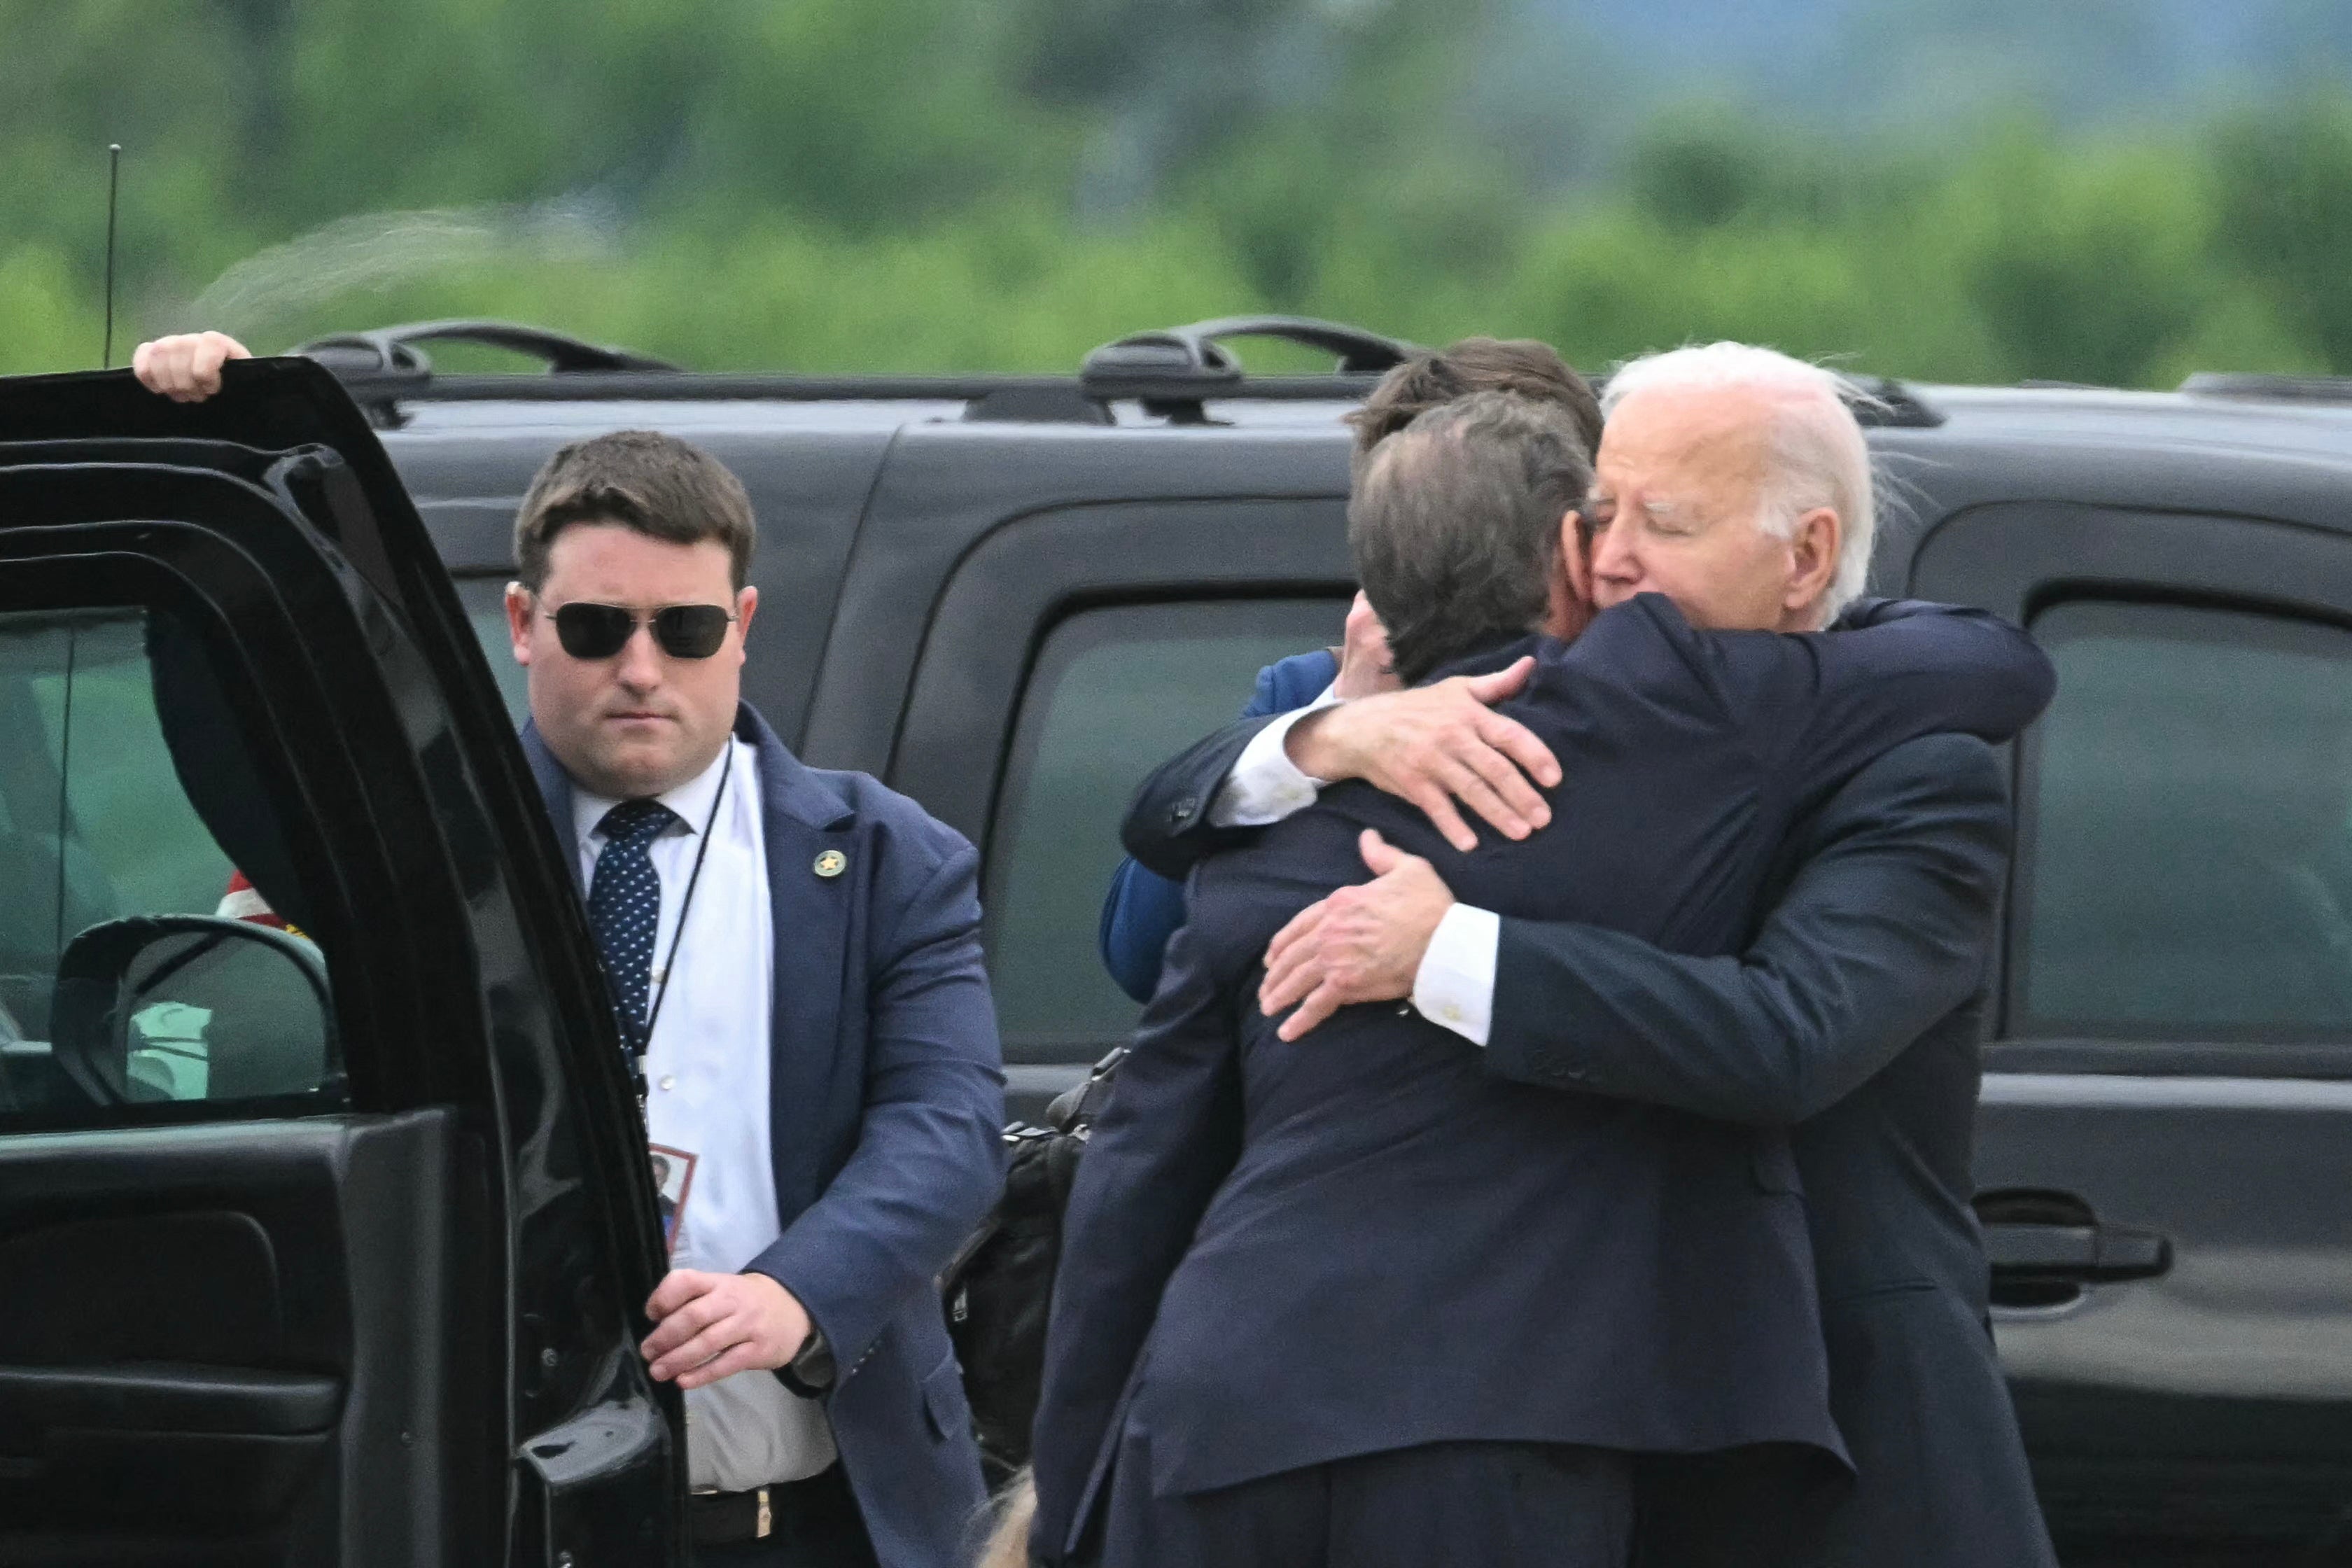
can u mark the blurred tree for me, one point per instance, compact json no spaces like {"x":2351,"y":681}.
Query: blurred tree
{"x":1693,"y":172}
{"x":2286,"y":180}
{"x":50,"y":324}
{"x":1165,"y":84}
{"x":933,"y":183}
{"x":2090,"y":269}
{"x":1367,"y":140}
{"x":163,"y":77}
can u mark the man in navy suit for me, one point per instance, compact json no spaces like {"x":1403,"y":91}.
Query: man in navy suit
{"x":795,"y":960}
{"x":1362,"y":1302}
{"x":1854,"y":1012}
{"x":796,"y":955}
{"x":1143,"y":909}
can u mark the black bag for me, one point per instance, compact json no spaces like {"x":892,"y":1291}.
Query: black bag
{"x":1000,"y":1285}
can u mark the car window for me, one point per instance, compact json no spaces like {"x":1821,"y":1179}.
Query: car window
{"x":485,"y":599}
{"x":102,"y":854}
{"x":2187,"y":865}
{"x":1113,"y":692}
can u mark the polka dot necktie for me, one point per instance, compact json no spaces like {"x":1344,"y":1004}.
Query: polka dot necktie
{"x":625,"y":907}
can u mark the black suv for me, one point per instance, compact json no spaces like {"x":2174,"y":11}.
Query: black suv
{"x":304,"y":1272}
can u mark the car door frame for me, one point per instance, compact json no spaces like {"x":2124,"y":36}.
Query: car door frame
{"x":345,"y":644}
{"x":2176,"y":537}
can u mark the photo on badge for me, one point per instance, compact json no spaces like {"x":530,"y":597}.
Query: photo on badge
{"x":673,"y":1180}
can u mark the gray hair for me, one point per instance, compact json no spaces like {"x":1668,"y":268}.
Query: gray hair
{"x":1454,"y":524}
{"x":1819,"y":457}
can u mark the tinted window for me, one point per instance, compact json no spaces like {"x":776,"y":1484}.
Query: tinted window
{"x":2189,"y":869}
{"x":1114,"y":693}
{"x":485,"y":599}
{"x":95,"y":830}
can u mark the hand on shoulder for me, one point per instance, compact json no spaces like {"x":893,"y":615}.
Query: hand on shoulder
{"x":1435,"y":745}
{"x":1363,"y":943}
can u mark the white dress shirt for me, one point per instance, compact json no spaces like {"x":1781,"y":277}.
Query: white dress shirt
{"x":1454,"y":986}
{"x":707,"y":1093}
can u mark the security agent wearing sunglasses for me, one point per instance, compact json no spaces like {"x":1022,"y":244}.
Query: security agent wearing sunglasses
{"x":795,"y":956}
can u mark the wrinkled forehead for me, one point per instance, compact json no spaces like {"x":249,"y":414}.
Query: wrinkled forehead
{"x":1701,"y":444}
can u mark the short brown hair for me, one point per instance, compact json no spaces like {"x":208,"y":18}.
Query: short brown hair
{"x":657,"y":484}
{"x":1454,"y":525}
{"x":1521,"y":367}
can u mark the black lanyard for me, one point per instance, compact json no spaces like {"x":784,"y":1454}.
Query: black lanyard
{"x":678,"y":931}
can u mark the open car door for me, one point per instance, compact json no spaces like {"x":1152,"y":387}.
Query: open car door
{"x":323,"y":1248}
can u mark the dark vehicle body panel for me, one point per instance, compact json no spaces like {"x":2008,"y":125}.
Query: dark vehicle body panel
{"x":460,"y":1255}
{"x":978,"y":538}
{"x":2166,"y":1214}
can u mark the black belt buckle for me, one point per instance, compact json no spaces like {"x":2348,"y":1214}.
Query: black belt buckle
{"x":722,"y":1519}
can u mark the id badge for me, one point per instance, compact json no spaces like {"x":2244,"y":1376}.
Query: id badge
{"x":673,"y":1184}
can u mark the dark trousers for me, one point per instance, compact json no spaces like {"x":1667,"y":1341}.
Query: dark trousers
{"x":1444,"y":1505}
{"x":813,"y":1523}
{"x":1735,"y":1508}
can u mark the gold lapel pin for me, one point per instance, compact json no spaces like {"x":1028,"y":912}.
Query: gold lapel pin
{"x":832,"y":863}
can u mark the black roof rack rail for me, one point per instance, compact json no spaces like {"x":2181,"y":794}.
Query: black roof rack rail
{"x":1171,"y":371}
{"x":1174,"y":369}
{"x":2268,"y":388}
{"x":1885,"y":404}
{"x":393,"y":351}
{"x":725,"y":387}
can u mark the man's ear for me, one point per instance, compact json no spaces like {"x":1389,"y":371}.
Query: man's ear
{"x":1575,"y":557}
{"x":746,"y":604}
{"x":518,"y":621}
{"x":1812,"y":558}
{"x":1568,"y":608}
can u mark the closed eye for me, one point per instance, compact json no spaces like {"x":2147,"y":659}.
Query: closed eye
{"x":1667,"y":520}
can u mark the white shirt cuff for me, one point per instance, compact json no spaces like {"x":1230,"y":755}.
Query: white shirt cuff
{"x":1454,"y":986}
{"x":1265,"y":785}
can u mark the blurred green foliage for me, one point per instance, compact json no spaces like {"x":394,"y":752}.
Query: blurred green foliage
{"x":934,"y":185}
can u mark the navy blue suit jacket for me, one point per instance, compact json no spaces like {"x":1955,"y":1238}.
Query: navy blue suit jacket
{"x":1855,"y":1014}
{"x":886,"y":1093}
{"x":1143,"y":909}
{"x":1286,"y":1253}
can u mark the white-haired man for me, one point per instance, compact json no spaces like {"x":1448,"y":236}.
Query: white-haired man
{"x":1735,"y":481}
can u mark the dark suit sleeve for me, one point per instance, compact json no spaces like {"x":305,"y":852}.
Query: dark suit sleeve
{"x":1167,"y":829}
{"x":1139,"y":913}
{"x":928,"y":1161}
{"x":1886,"y":929}
{"x":1168,"y":1136}
{"x":1904,"y":669}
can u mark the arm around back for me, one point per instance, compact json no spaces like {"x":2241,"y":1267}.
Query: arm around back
{"x":1168,"y":829}
{"x":928,"y":1159}
{"x":1886,"y":928}
{"x":1905,"y":668}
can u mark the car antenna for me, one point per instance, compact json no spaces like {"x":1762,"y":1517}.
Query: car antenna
{"x":113,"y":188}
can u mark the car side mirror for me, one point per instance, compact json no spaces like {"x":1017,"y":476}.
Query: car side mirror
{"x":158,"y":1009}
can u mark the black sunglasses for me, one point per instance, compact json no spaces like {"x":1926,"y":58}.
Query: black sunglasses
{"x":600,"y":631}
